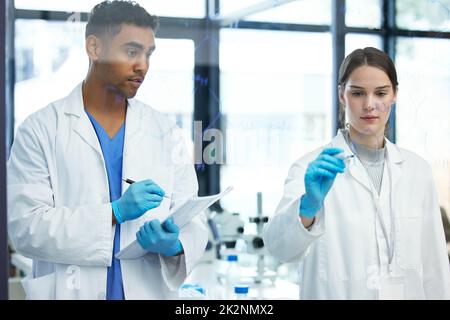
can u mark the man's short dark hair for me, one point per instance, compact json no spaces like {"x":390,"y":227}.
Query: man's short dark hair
{"x":107,"y":17}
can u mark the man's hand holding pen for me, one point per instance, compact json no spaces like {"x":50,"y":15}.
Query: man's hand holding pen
{"x":139,"y":198}
{"x":152,"y":236}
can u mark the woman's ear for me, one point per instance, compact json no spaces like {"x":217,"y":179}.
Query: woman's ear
{"x":341,"y":95}
{"x":93,"y":47}
{"x":394,"y":100}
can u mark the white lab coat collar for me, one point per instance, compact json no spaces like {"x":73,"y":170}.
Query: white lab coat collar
{"x":357,"y":170}
{"x":74,"y":105}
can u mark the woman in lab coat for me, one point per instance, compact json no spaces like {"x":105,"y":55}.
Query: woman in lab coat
{"x":361,"y":215}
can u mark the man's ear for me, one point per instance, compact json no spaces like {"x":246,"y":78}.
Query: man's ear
{"x":93,"y":47}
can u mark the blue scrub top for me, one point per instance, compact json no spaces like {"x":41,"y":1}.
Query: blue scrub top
{"x":113,"y":154}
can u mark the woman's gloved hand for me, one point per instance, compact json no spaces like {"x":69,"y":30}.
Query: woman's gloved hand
{"x":319,"y":178}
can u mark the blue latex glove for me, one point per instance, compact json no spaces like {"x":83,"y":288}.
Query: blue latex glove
{"x":319,"y":178}
{"x":160,"y":238}
{"x":138,"y":199}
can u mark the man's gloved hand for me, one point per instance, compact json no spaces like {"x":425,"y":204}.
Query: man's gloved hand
{"x":319,"y":178}
{"x":138,"y":199}
{"x":160,"y":238}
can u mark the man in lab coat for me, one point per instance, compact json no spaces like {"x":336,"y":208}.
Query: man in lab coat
{"x":69,"y":210}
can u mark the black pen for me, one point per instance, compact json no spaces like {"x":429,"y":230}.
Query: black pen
{"x":129,"y":181}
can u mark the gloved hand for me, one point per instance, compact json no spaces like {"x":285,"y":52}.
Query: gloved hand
{"x":319,"y":178}
{"x":138,"y":199}
{"x":160,"y":238}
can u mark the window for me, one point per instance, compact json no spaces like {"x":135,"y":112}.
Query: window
{"x":51,"y":61}
{"x":365,"y":13}
{"x":276,"y":100}
{"x":169,"y":85}
{"x":423,"y":114}
{"x":230,"y":6}
{"x":297,"y":12}
{"x":423,"y":14}
{"x":66,"y":6}
{"x":174,"y":8}
{"x":355,"y":41}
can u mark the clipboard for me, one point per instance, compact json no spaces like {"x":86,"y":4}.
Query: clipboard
{"x":181,"y":215}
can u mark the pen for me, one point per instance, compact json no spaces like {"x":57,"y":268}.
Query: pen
{"x":342,"y":157}
{"x":129,"y":181}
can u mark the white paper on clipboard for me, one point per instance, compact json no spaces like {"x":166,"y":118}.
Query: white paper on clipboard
{"x":181,"y":215}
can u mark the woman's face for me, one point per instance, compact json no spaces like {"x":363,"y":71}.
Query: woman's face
{"x":368,"y":97}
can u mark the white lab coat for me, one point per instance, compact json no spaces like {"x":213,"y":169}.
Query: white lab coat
{"x":336,"y":255}
{"x":59,"y":208}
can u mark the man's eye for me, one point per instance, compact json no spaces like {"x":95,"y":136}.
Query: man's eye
{"x":131,"y":53}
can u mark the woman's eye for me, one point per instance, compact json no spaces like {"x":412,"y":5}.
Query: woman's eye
{"x":382,"y":94}
{"x":356,"y":94}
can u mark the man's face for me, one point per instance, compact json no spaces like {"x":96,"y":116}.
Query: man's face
{"x":125,"y":59}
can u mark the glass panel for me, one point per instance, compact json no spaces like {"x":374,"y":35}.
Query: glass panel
{"x":300,"y":12}
{"x":423,"y":113}
{"x":66,"y":5}
{"x":355,"y":41}
{"x":51,"y":61}
{"x":423,"y":14}
{"x":230,"y":6}
{"x":276,"y":98}
{"x":175,"y":8}
{"x":169,"y":85}
{"x":365,"y":13}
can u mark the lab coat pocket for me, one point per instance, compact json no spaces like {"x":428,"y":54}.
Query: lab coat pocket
{"x":41,"y":288}
{"x":409,"y":242}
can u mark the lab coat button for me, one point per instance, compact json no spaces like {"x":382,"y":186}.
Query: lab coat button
{"x":101,"y":296}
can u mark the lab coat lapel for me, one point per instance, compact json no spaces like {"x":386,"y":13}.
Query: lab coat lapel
{"x":133,"y":124}
{"x":395,"y":159}
{"x":357,"y":170}
{"x":74,"y":106}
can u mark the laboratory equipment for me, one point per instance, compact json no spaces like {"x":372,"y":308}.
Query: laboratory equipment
{"x":241,"y":292}
{"x":255,"y":245}
{"x":233,"y":275}
{"x":225,"y":229}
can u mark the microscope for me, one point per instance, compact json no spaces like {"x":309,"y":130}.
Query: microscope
{"x":225,"y":229}
{"x":255,"y":245}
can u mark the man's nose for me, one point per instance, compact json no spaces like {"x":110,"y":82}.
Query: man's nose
{"x":142,"y":65}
